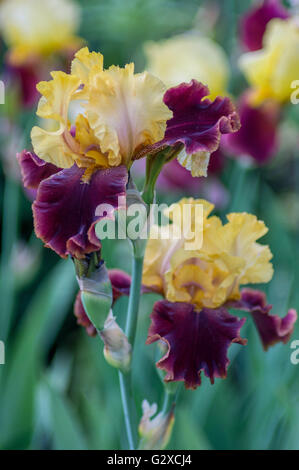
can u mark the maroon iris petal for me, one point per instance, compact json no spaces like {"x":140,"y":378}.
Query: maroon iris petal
{"x":253,"y":24}
{"x":120,"y":281}
{"x":82,"y":318}
{"x":34,"y":170}
{"x":197,"y":122}
{"x":272,"y":328}
{"x":64,"y":209}
{"x":197,"y":341}
{"x":258,"y":136}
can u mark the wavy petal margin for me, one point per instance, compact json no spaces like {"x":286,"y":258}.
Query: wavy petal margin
{"x":197,"y":122}
{"x":196,"y":341}
{"x":64,"y":209}
{"x":253,"y":24}
{"x":271,"y":328}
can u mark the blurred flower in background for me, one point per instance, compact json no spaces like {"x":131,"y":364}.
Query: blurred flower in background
{"x":37,"y":33}
{"x":189,"y":56}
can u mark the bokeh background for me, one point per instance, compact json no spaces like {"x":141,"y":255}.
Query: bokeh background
{"x":56,"y":390}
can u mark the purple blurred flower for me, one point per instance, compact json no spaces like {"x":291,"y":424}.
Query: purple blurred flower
{"x":258,"y":135}
{"x":253,"y":24}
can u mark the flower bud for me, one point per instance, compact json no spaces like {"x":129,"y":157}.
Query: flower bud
{"x":95,"y":287}
{"x":155,"y":432}
{"x":117,"y":349}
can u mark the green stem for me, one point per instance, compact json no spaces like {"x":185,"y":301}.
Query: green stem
{"x":169,"y":399}
{"x":130,"y":330}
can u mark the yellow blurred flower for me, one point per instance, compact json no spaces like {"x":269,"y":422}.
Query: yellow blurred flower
{"x":212,"y":272}
{"x":184,"y":57}
{"x":271,"y":70}
{"x":38,"y":27}
{"x":119,"y":113}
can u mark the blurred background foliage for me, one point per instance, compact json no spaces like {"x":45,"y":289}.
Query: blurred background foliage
{"x":56,"y":390}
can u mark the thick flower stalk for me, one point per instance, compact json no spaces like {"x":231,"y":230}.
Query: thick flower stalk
{"x":200,"y":284}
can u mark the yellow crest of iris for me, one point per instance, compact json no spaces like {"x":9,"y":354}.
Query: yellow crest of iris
{"x":186,"y":57}
{"x":211,"y":274}
{"x":117,"y":113}
{"x":38,"y":27}
{"x":271,"y":70}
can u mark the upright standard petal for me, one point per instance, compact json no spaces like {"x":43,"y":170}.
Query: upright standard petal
{"x":58,"y":147}
{"x":65,"y":208}
{"x":126,"y":111}
{"x":272,"y":328}
{"x":253,"y":24}
{"x":196,"y":341}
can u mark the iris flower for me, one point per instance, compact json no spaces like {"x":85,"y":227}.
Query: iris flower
{"x":199,"y":286}
{"x":103,"y":120}
{"x":271,"y":70}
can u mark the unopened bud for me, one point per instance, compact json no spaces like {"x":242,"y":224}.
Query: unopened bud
{"x":96,"y":289}
{"x":117,"y":349}
{"x":155,"y":432}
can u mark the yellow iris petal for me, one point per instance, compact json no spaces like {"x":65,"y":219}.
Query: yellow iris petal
{"x":211,"y":274}
{"x":126,"y":111}
{"x":57,"y":147}
{"x":271,"y":70}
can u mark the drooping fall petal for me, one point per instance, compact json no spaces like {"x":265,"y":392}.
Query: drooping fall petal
{"x":253,"y":24}
{"x":197,"y":122}
{"x":34,"y":170}
{"x":65,"y":208}
{"x":196,"y":341}
{"x":272,"y":328}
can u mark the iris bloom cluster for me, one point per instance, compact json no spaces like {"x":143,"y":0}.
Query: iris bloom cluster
{"x":199,"y":287}
{"x":103,"y":120}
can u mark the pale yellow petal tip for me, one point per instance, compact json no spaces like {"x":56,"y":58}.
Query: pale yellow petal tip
{"x":86,"y":62}
{"x":196,"y":163}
